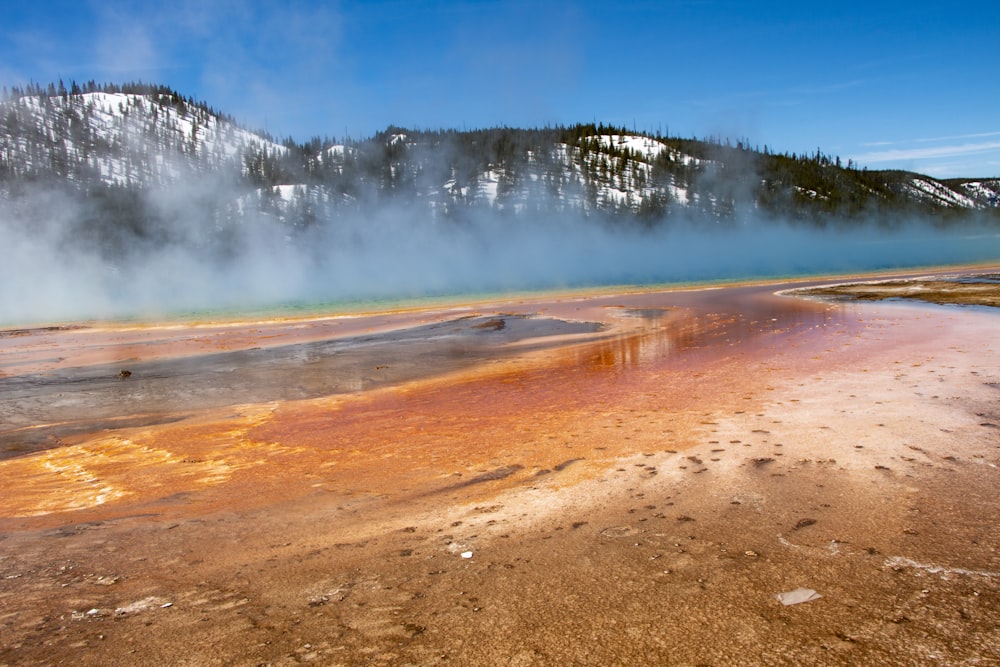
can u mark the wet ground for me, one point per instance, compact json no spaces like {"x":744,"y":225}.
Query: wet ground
{"x":44,"y":407}
{"x":623,"y":479}
{"x":979,"y":289}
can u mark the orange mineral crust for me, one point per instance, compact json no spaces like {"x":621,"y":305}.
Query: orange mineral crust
{"x":627,"y":478}
{"x":489,"y":402}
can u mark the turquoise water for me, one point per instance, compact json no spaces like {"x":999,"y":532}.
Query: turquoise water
{"x":306,"y":309}
{"x":348,"y":307}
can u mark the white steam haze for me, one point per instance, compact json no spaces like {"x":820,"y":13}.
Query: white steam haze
{"x":49,"y":274}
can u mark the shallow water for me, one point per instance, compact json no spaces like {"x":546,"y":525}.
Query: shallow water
{"x":40,"y":409}
{"x":61,"y":383}
{"x":623,"y":333}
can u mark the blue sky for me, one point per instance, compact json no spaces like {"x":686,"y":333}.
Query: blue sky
{"x":909,"y":85}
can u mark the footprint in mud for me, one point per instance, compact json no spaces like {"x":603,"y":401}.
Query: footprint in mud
{"x":618,"y":531}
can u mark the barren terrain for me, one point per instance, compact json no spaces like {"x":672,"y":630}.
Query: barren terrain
{"x":615,"y":479}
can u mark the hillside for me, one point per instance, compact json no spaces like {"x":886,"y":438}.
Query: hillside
{"x":117,"y":200}
{"x":111,"y":142}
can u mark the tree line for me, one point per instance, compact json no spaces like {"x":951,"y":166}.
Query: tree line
{"x":450,"y":174}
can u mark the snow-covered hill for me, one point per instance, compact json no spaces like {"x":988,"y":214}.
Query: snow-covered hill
{"x":117,"y":200}
{"x":155,"y":138}
{"x":120,"y":139}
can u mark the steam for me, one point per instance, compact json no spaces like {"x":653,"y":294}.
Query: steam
{"x":50,"y":272}
{"x":203,"y":243}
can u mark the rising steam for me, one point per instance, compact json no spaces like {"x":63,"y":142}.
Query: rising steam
{"x":49,"y":272}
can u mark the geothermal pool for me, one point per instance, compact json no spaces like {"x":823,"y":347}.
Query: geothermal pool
{"x":614,"y":478}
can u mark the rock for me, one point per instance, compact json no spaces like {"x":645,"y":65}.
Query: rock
{"x":798,"y":596}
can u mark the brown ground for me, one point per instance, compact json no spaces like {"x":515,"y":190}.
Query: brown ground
{"x":306,"y":491}
{"x":977,"y":290}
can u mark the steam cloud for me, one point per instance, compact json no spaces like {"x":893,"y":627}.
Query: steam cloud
{"x":48,"y":273}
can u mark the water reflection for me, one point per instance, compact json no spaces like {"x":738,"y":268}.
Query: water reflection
{"x":660,"y":330}
{"x":680,"y":328}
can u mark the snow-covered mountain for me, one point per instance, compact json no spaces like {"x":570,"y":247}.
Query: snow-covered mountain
{"x":120,"y":139}
{"x":139,"y":138}
{"x":963,"y":194}
{"x":118,"y":200}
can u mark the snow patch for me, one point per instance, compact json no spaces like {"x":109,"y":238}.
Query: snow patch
{"x":938,"y":193}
